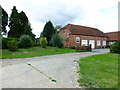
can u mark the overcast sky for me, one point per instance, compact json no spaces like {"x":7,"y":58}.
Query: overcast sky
{"x":101,"y":14}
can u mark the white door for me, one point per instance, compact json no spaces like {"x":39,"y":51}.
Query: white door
{"x":92,"y":42}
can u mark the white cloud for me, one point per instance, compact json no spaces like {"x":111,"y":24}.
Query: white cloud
{"x":101,"y":14}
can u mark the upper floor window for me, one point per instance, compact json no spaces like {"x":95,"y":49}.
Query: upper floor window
{"x":77,"y":40}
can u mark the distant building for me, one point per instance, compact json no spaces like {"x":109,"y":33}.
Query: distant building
{"x":82,"y":35}
{"x":113,"y":37}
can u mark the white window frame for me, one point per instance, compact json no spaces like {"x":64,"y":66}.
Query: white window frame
{"x":77,"y":39}
{"x":104,"y":43}
{"x":111,"y":43}
{"x":98,"y":42}
{"x":85,"y":42}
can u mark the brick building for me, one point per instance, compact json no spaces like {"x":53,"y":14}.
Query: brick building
{"x":82,"y":35}
{"x":113,"y":37}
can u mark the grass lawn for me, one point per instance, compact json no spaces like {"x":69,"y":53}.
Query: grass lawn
{"x":99,"y":71}
{"x":35,"y":51}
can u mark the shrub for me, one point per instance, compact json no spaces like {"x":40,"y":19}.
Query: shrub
{"x":115,"y":48}
{"x":57,"y":41}
{"x":25,"y":41}
{"x":12,"y":44}
{"x":43,"y":42}
{"x":72,"y":47}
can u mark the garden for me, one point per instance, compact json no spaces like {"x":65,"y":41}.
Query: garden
{"x":20,"y":42}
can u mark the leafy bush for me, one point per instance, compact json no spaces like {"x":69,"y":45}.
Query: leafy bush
{"x":25,"y":41}
{"x":12,"y":44}
{"x":43,"y":42}
{"x":72,"y":47}
{"x":115,"y":48}
{"x":57,"y":41}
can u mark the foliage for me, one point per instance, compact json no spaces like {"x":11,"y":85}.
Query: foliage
{"x":12,"y":44}
{"x":48,"y":31}
{"x":72,"y":47}
{"x":57,"y":41}
{"x":3,"y":43}
{"x":4,"y":23}
{"x":19,"y":24}
{"x":43,"y":42}
{"x":27,"y":30}
{"x":99,"y":71}
{"x":25,"y":41}
{"x":37,"y":42}
{"x":115,"y":48}
{"x":34,"y":52}
{"x":14,"y":24}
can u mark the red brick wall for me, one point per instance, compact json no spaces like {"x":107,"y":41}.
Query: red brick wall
{"x":72,"y":39}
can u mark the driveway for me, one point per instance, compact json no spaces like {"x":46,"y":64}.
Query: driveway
{"x":54,"y":71}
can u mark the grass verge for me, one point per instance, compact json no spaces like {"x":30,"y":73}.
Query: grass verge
{"x":34,"y":52}
{"x":99,"y":71}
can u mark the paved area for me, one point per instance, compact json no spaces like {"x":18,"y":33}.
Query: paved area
{"x":54,"y":71}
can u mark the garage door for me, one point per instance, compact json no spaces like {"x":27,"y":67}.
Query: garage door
{"x":92,"y":42}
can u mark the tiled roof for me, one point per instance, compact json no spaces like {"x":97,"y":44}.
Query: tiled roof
{"x":83,"y":30}
{"x":113,"y":36}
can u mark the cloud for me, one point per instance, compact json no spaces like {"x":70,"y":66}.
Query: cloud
{"x":101,"y":14}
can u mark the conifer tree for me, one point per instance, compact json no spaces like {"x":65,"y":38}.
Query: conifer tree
{"x":48,"y":31}
{"x":14,"y":24}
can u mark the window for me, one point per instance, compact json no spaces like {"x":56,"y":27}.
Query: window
{"x":77,"y":40}
{"x":104,"y":43}
{"x":84,"y":42}
{"x":98,"y":43}
{"x":111,"y":43}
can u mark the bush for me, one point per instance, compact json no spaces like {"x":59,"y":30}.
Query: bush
{"x":43,"y":42}
{"x":57,"y":41}
{"x":25,"y":41}
{"x":72,"y":47}
{"x":115,"y":48}
{"x":12,"y":44}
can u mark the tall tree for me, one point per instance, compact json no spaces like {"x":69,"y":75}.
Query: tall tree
{"x":4,"y":21}
{"x":19,"y":24}
{"x":28,"y":30}
{"x":14,"y":24}
{"x":48,"y":31}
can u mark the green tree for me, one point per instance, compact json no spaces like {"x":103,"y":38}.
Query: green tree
{"x":48,"y":31}
{"x":4,"y":23}
{"x":19,"y":24}
{"x":14,"y":25}
{"x":57,"y":41}
{"x":28,"y":30}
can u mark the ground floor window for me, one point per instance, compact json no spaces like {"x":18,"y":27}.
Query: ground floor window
{"x":98,"y":43}
{"x":77,"y":40}
{"x":104,"y":43}
{"x":84,"y":42}
{"x":110,"y":43}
